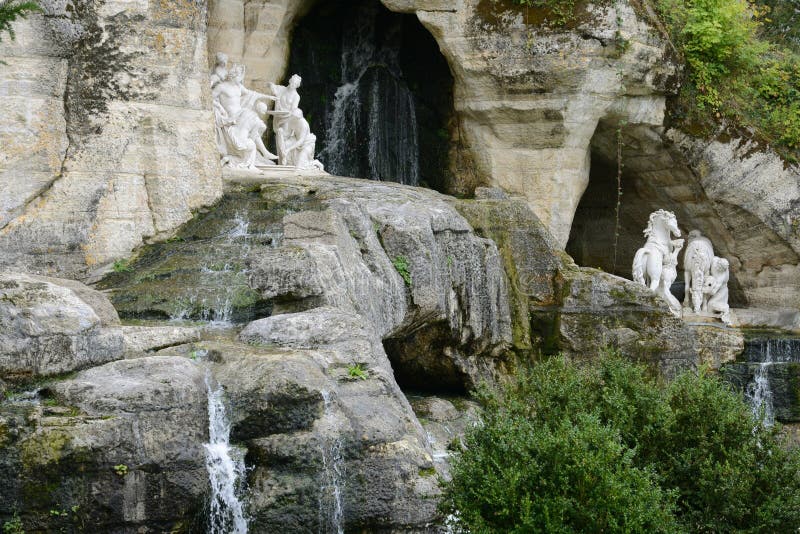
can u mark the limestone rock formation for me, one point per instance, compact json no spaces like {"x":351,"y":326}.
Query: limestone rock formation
{"x":401,"y":258}
{"x":107,"y":135}
{"x":316,"y":433}
{"x":106,"y":448}
{"x":51,"y":326}
{"x":560,"y":307}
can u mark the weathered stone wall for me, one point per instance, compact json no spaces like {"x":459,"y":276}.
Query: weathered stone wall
{"x":107,"y":136}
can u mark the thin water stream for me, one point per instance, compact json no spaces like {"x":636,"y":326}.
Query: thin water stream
{"x":771,"y":355}
{"x":331,"y":508}
{"x":226,"y":469}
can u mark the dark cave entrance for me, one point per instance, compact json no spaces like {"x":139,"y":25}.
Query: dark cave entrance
{"x":650,"y":180}
{"x":377,"y":92}
{"x":592,"y":236}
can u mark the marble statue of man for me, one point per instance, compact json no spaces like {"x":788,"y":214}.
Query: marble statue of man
{"x":300,"y":143}
{"x":240,"y":125}
{"x":287,"y":101}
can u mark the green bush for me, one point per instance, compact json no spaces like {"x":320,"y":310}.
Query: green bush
{"x":605,"y":447}
{"x":736,"y":71}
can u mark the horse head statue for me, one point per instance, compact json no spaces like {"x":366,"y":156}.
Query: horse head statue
{"x":662,"y":224}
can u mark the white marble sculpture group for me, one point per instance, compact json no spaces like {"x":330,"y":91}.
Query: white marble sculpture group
{"x":241,"y":119}
{"x":706,"y":276}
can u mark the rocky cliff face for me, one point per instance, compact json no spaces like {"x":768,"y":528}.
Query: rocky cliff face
{"x":319,"y":302}
{"x":346,"y":289}
{"x":107,"y":133}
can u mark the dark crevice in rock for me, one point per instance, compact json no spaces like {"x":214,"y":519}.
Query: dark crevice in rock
{"x":423,"y":361}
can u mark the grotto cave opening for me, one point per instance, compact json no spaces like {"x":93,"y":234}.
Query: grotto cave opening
{"x":596,"y":232}
{"x":377,"y":92}
{"x":631,"y":165}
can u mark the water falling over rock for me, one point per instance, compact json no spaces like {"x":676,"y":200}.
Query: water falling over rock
{"x":226,"y":469}
{"x":769,"y":376}
{"x":331,"y":508}
{"x":380,"y":105}
{"x":759,"y":394}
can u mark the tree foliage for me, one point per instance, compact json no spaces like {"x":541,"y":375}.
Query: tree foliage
{"x":739,"y":68}
{"x":10,"y":11}
{"x":603,"y":447}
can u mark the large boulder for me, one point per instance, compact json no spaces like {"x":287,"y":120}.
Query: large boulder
{"x":51,"y":326}
{"x":117,"y":448}
{"x":400,"y":258}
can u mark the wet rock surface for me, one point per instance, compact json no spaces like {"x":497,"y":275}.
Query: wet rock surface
{"x":116,"y":448}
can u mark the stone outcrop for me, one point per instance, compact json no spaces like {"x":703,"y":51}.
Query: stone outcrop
{"x":107,"y":135}
{"x":401,"y":258}
{"x":117,"y":448}
{"x":50,"y":326}
{"x":560,"y":307}
{"x":53,"y":326}
{"x":310,"y":423}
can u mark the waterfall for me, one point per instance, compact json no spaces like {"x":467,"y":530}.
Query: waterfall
{"x":226,"y":470}
{"x":331,"y":509}
{"x":768,"y":353}
{"x":759,"y":395}
{"x":371,"y":124}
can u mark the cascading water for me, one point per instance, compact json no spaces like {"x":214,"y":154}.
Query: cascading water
{"x":331,"y":508}
{"x":226,"y":469}
{"x":370,"y":122}
{"x":769,"y":353}
{"x":759,"y":395}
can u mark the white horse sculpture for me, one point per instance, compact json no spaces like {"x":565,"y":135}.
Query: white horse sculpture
{"x":696,"y":268}
{"x":648,"y":264}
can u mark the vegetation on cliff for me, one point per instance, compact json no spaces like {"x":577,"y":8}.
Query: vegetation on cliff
{"x":10,"y":11}
{"x":602,"y":447}
{"x":740,"y":68}
{"x":742,"y":63}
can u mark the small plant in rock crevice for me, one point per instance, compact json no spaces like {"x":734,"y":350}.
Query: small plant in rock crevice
{"x":14,"y":526}
{"x":401,"y":264}
{"x":121,"y":470}
{"x":358,"y":371}
{"x":122,"y":266}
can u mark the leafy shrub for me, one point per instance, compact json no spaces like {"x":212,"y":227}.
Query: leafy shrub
{"x":604,"y":447}
{"x":734,"y":71}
